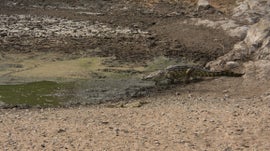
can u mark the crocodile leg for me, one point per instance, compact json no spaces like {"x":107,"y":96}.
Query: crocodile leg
{"x":188,"y":75}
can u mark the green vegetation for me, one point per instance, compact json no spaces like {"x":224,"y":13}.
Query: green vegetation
{"x":43,"y":93}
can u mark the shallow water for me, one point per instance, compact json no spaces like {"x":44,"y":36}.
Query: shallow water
{"x":42,"y":93}
{"x":104,"y":84}
{"x":53,"y":94}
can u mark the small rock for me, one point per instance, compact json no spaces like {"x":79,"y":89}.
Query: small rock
{"x":61,"y":130}
{"x":203,"y":4}
{"x":157,"y":142}
{"x":235,"y":114}
{"x":226,"y":96}
{"x":117,"y":131}
{"x":136,"y":104}
{"x":225,"y":91}
{"x":212,"y":120}
{"x":104,"y":122}
{"x":110,"y":127}
{"x":239,"y":131}
{"x":182,"y":141}
{"x":231,"y":65}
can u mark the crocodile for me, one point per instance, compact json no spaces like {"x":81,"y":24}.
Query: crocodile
{"x":176,"y":73}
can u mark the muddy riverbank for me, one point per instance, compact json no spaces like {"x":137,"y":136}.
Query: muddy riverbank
{"x":95,"y":43}
{"x":70,"y":75}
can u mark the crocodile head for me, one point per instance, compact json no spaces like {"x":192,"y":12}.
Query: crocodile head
{"x":155,"y":76}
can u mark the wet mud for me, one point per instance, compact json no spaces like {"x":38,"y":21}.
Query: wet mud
{"x":101,"y":47}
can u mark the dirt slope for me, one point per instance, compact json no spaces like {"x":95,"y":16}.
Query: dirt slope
{"x":224,"y":114}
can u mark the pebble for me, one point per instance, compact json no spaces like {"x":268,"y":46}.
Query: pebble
{"x":117,"y":131}
{"x":42,"y":27}
{"x":61,"y":130}
{"x":157,"y":142}
{"x":104,"y":122}
{"x":226,"y":96}
{"x":203,"y":4}
{"x":212,"y":120}
{"x":225,"y":91}
{"x":232,"y":65}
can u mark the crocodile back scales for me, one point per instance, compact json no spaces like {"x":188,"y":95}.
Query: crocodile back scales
{"x":193,"y":71}
{"x":176,"y":73}
{"x":207,"y":73}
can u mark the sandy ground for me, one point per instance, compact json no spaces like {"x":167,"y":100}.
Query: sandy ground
{"x":194,"y":117}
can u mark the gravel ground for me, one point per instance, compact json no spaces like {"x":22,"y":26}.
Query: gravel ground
{"x":183,"y":119}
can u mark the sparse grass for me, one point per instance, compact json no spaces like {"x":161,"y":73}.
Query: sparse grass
{"x":91,"y":63}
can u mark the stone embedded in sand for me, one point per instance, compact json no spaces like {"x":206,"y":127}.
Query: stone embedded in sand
{"x":203,"y":4}
{"x":232,"y":64}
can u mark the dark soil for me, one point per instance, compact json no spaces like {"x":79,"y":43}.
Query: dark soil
{"x":166,"y":34}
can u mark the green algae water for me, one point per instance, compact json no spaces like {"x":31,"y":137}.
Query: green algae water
{"x":42,"y":93}
{"x":84,"y":92}
{"x":104,"y":84}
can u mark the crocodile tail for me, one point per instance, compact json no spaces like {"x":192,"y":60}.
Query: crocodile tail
{"x":206,"y":73}
{"x":224,"y":73}
{"x":232,"y":74}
